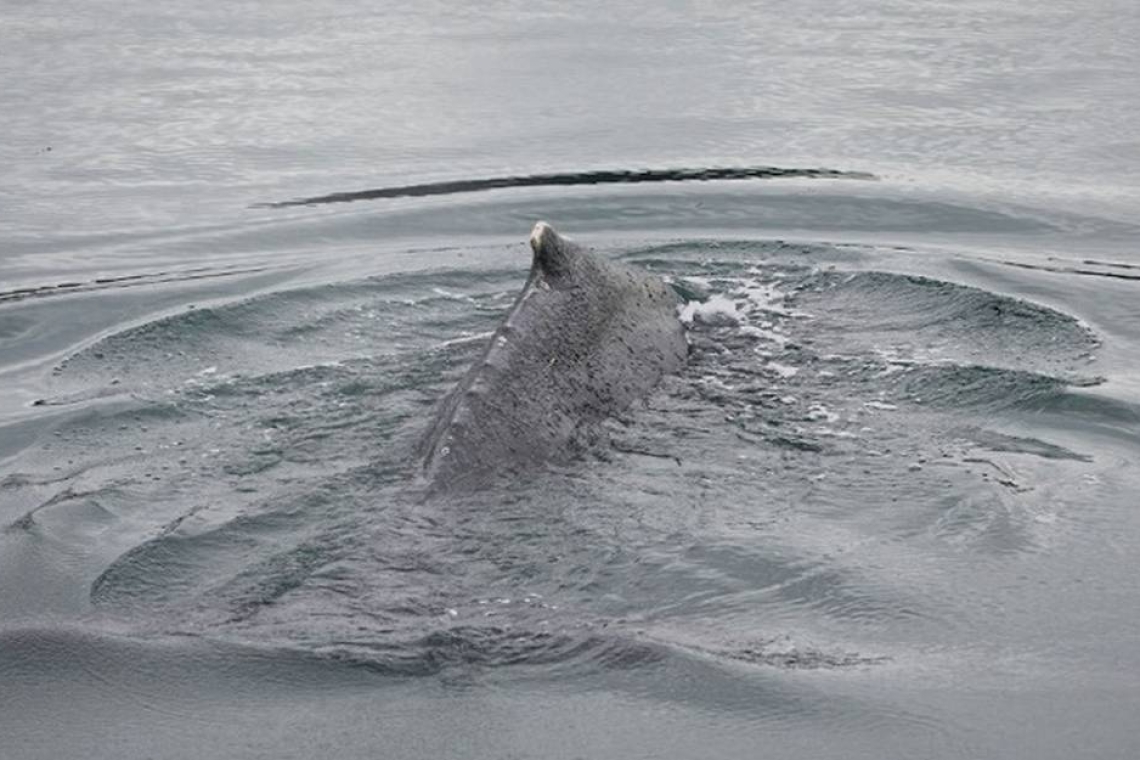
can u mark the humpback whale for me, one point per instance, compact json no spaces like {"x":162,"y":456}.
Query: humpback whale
{"x":585,"y":338}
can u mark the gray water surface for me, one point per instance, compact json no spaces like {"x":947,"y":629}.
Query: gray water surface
{"x":887,"y":510}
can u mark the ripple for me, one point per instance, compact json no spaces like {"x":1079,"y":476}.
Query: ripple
{"x":845,"y":444}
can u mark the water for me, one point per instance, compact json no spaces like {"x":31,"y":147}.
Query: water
{"x":886,"y":511}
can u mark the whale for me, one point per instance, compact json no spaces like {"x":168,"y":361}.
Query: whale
{"x":585,"y":339}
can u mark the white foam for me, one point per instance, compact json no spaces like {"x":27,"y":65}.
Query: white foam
{"x":765,"y":297}
{"x":718,"y":310}
{"x":755,"y":307}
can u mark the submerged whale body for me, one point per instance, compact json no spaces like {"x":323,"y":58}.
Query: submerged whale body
{"x":585,"y":339}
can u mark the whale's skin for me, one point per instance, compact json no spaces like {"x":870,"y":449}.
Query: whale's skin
{"x":585,"y":339}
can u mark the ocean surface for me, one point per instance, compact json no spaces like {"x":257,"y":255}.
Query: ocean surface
{"x":890,"y":508}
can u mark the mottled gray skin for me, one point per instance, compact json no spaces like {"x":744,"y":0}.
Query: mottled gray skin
{"x":585,"y":339}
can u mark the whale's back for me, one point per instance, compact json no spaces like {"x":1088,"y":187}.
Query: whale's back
{"x":584,"y":340}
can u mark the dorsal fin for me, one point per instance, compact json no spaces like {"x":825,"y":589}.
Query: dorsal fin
{"x":553,"y":254}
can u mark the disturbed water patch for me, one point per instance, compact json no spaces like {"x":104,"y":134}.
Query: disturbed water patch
{"x":832,"y":430}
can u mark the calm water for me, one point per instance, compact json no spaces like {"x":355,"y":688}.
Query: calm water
{"x":888,"y":510}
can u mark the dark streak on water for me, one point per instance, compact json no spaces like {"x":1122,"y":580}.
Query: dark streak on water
{"x":125,"y":281}
{"x":567,"y":179}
